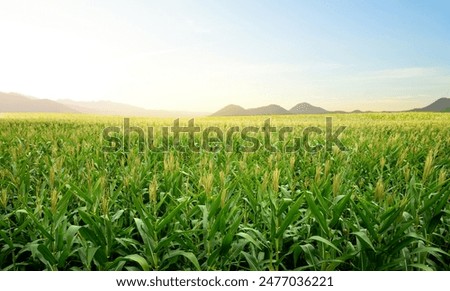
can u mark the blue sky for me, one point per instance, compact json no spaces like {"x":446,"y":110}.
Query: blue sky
{"x":203,"y":55}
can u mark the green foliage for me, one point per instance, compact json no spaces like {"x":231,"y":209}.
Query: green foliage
{"x":381,"y":205}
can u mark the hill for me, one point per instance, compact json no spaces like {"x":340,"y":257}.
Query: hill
{"x":12,"y":102}
{"x":236,"y":110}
{"x":440,"y":105}
{"x":230,"y":110}
{"x":271,"y":109}
{"x":306,"y":108}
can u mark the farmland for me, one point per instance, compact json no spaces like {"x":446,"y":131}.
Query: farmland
{"x":382,"y":203}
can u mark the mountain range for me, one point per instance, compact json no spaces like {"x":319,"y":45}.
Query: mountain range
{"x":440,"y":105}
{"x":272,"y":109}
{"x":13,"y":102}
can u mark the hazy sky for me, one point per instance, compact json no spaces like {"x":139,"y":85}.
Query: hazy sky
{"x":203,"y":55}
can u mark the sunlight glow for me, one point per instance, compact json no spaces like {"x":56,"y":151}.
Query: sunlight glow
{"x":178,"y":56}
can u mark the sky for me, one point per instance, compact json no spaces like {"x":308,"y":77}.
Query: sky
{"x":203,"y":55}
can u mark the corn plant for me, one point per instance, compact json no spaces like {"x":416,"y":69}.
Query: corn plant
{"x":381,"y":204}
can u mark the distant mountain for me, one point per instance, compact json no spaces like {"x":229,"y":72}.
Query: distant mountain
{"x":440,"y":105}
{"x":12,"y":102}
{"x":230,"y":110}
{"x":236,"y":110}
{"x":306,"y":108}
{"x":271,"y":109}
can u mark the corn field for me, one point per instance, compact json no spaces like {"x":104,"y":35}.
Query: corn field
{"x":382,"y":204}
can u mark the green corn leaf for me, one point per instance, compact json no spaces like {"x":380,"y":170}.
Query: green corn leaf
{"x":364,"y":239}
{"x":188,"y":255}
{"x":293,"y":214}
{"x":325,"y":241}
{"x":339,"y":209}
{"x":47,"y":255}
{"x":140,"y":260}
{"x":169,"y":217}
{"x":316,"y":212}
